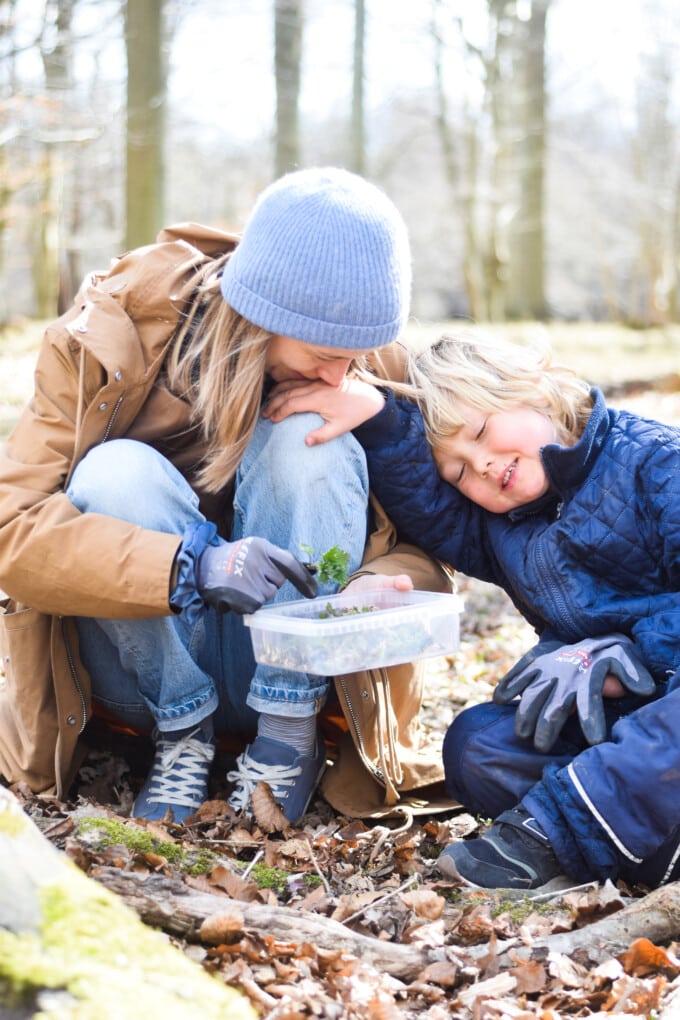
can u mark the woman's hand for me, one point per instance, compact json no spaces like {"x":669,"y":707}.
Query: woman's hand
{"x":341,"y":407}
{"x":380,"y":582}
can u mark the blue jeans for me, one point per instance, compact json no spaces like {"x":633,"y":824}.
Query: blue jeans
{"x":167,"y":673}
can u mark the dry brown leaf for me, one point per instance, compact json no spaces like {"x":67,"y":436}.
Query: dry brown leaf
{"x":159,"y":832}
{"x":212,"y":810}
{"x":425,"y":903}
{"x":352,"y":832}
{"x":350,"y":903}
{"x":298,"y":849}
{"x":636,"y":995}
{"x":476,"y":924}
{"x":441,"y":973}
{"x":643,"y":957}
{"x":233,"y":885}
{"x":224,"y":926}
{"x":565,"y":970}
{"x":382,"y":1007}
{"x":530,"y":975}
{"x":266,"y":811}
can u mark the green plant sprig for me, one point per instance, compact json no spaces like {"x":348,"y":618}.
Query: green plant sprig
{"x":331,"y":568}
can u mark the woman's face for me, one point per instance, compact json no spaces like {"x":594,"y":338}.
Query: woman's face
{"x":495,"y":459}
{"x":294,"y":359}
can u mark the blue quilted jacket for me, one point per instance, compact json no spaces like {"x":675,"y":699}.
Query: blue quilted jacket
{"x":599,"y":553}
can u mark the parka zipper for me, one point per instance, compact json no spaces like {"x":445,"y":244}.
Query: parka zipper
{"x":378,"y":773}
{"x":74,"y":674}
{"x":112,"y":419}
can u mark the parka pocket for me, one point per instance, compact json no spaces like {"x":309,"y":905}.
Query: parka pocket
{"x":28,"y":718}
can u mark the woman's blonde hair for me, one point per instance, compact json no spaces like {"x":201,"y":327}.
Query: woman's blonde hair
{"x":494,"y":375}
{"x":217,"y":362}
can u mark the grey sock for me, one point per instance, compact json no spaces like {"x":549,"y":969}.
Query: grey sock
{"x":297,"y":732}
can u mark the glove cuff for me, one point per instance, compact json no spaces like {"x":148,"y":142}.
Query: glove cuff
{"x":197,"y":537}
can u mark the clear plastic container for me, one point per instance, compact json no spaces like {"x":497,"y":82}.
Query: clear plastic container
{"x":337,"y":634}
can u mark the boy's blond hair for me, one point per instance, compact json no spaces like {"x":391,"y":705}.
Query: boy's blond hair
{"x":493,"y":375}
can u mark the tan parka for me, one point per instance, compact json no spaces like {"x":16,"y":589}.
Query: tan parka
{"x":97,"y":378}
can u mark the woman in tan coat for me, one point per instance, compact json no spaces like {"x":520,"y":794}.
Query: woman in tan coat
{"x":146,"y":502}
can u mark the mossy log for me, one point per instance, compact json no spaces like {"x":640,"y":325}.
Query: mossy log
{"x":72,"y":950}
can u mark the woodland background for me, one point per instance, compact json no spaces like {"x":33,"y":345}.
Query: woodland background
{"x":532,"y":145}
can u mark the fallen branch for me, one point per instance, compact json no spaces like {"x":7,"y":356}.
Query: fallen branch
{"x":180,"y":910}
{"x":656,"y":917}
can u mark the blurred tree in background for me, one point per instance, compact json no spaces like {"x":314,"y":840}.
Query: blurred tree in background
{"x":145,"y":124}
{"x":532,"y":145}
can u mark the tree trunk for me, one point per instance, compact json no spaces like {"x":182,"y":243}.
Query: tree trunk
{"x":358,"y":133}
{"x":288,"y":20}
{"x":146,"y":101}
{"x":526,"y":280}
{"x":48,"y":218}
{"x":64,"y":935}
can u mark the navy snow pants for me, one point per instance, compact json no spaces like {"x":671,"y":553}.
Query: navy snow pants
{"x":609,"y":811}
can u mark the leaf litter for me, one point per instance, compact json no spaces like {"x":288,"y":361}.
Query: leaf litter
{"x":377,"y":880}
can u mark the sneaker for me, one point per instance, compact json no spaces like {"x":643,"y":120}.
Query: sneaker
{"x":178,"y":780}
{"x":292,"y":777}
{"x":513,"y":854}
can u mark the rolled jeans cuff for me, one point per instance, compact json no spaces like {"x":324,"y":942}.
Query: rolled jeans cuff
{"x":273,"y":699}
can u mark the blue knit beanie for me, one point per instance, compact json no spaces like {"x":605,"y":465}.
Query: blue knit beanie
{"x":324,"y":258}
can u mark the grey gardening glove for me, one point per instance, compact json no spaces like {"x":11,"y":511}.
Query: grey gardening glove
{"x":553,"y":678}
{"x":240,"y":575}
{"x":244,"y":575}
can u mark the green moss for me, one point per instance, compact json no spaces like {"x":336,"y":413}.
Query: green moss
{"x":270,"y":878}
{"x":95,"y":948}
{"x":12,"y":824}
{"x":518,"y":910}
{"x":111,"y":832}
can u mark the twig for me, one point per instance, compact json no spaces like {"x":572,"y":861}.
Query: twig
{"x":318,"y":870}
{"x":256,"y":858}
{"x":413,"y":880}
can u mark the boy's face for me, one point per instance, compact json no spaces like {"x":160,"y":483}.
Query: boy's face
{"x":494,"y":459}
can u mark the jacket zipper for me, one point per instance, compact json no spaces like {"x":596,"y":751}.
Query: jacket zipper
{"x":369,"y":764}
{"x":74,"y":674}
{"x":112,"y":419}
{"x":558,"y":601}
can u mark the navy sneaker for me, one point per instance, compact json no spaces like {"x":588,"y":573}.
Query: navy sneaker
{"x":292,"y":777}
{"x":513,"y":854}
{"x":178,"y":780}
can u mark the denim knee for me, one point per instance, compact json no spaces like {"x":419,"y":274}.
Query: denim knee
{"x":132,"y":481}
{"x":279,"y":449}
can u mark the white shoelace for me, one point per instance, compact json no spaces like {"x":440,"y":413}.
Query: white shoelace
{"x":248,"y":773}
{"x":179,"y":771}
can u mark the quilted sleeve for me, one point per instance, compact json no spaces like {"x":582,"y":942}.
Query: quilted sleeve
{"x":657,"y":479}
{"x":426,"y":510}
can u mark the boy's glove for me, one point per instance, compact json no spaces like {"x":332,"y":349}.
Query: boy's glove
{"x":552,"y":678}
{"x":240,"y":576}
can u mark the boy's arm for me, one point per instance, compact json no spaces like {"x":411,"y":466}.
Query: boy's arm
{"x":425,"y":510}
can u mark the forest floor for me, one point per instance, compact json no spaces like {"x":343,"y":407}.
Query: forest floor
{"x":411,"y":944}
